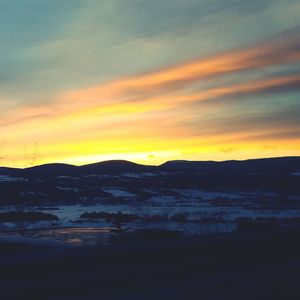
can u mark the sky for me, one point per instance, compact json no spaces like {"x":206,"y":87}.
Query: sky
{"x":83,"y":81}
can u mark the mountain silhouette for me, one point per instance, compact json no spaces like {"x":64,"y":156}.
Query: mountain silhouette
{"x":251,"y":167}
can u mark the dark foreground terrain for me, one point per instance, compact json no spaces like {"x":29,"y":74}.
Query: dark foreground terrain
{"x":182,"y":230}
{"x":261,"y":264}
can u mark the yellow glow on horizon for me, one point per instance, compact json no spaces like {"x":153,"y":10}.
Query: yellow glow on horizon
{"x":150,"y":118}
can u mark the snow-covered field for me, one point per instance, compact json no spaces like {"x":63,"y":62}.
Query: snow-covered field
{"x":188,"y":211}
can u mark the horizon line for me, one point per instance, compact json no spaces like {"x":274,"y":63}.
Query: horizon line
{"x":150,"y":165}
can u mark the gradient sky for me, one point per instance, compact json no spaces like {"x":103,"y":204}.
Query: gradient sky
{"x":148,"y":81}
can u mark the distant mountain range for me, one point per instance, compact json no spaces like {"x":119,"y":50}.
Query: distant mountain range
{"x":62,"y":183}
{"x":252,"y":167}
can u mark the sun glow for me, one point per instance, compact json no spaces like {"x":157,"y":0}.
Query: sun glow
{"x":173,"y":113}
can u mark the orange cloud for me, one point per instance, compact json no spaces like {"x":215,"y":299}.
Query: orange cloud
{"x":139,"y":108}
{"x":111,"y":96}
{"x":274,"y":52}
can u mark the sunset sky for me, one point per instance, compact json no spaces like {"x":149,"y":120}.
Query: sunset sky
{"x":83,"y":81}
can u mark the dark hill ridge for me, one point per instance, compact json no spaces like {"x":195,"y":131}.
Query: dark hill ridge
{"x":51,"y":170}
{"x":264,"y":166}
{"x":252,"y":167}
{"x":115,"y":166}
{"x":10,"y":171}
{"x":63,"y":183}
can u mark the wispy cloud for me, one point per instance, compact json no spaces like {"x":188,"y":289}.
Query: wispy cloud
{"x":167,"y":87}
{"x":206,"y":101}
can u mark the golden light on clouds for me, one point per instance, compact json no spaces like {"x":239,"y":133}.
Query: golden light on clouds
{"x":152,"y":117}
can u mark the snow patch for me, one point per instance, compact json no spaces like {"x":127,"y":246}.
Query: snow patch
{"x":66,"y":189}
{"x":7,"y":178}
{"x":118,"y":192}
